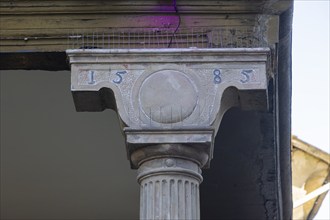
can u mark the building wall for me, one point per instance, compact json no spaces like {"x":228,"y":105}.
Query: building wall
{"x":242,"y":181}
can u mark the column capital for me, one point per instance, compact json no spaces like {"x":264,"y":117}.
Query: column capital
{"x":170,"y":103}
{"x":169,"y":96}
{"x":197,"y":154}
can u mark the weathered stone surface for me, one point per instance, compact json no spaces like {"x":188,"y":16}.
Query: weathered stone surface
{"x":169,"y":189}
{"x":170,"y":102}
{"x":169,"y":89}
{"x":172,"y":93}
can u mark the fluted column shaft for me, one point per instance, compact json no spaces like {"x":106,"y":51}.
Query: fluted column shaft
{"x":169,"y":189}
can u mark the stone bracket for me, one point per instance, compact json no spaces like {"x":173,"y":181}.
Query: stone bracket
{"x":166,"y":96}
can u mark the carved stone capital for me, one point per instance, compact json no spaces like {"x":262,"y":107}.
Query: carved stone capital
{"x":170,"y":103}
{"x":199,"y":155}
{"x":169,"y":96}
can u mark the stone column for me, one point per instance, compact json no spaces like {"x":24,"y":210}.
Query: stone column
{"x":169,"y":175}
{"x":169,"y":189}
{"x":170,"y":103}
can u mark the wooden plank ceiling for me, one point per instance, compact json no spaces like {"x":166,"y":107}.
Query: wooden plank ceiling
{"x":44,"y":25}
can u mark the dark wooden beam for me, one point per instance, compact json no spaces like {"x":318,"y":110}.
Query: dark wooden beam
{"x":52,"y":61}
{"x":47,"y":7}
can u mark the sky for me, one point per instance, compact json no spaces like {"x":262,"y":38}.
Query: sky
{"x":310,"y":78}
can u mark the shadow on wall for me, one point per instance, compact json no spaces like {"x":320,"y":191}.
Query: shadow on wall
{"x":241,"y":183}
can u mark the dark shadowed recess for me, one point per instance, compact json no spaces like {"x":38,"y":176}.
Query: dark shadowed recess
{"x":242,"y":183}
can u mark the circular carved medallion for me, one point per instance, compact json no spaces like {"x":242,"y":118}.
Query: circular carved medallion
{"x":168,"y":96}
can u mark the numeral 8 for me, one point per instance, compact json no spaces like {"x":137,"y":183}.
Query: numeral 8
{"x":217,"y":78}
